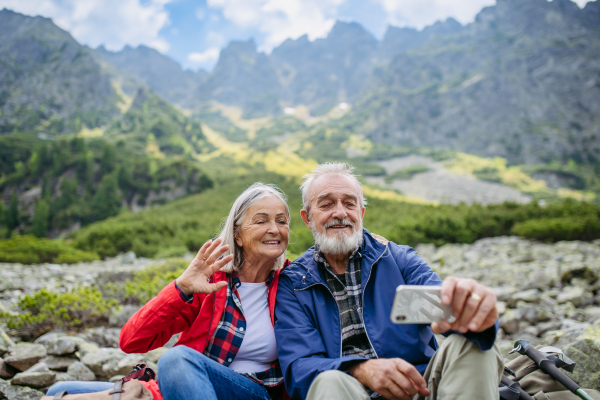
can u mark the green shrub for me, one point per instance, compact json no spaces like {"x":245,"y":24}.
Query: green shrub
{"x":44,"y":311}
{"x":147,"y":283}
{"x":32,"y":250}
{"x":555,"y":229}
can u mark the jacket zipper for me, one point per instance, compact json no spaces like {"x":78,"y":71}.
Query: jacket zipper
{"x":336,"y":306}
{"x":363,"y":299}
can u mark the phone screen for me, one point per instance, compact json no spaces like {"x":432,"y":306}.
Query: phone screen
{"x":419,"y":305}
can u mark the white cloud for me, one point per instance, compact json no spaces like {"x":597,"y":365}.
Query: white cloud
{"x":280,"y":20}
{"x":206,"y":59}
{"x":421,"y":13}
{"x":113,"y":23}
{"x":581,"y":3}
{"x":200,"y":14}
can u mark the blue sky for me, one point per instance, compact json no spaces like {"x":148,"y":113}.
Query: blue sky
{"x":192,"y":32}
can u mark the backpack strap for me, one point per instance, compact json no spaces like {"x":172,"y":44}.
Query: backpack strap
{"x":117,"y":390}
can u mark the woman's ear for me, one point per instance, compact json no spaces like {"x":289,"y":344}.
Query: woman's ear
{"x":238,"y":239}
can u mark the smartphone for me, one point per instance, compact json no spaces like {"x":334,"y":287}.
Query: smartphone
{"x":419,"y":305}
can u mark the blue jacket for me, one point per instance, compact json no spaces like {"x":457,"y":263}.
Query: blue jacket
{"x":308,"y":331}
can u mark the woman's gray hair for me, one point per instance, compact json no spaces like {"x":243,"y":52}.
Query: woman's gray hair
{"x":237,"y":214}
{"x":326,"y":169}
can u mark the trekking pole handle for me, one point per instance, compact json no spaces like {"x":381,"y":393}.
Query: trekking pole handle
{"x":548,"y":366}
{"x":516,"y":386}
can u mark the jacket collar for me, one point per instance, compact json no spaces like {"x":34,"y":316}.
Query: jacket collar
{"x":304,"y":271}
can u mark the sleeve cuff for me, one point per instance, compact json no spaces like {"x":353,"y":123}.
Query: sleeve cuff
{"x":184,"y":297}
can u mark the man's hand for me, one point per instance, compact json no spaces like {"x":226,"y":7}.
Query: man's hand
{"x":393,"y":378}
{"x":473,"y":306}
{"x":195,"y":278}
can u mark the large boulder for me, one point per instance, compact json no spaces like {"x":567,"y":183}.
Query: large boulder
{"x":36,"y":380}
{"x":585,"y":350}
{"x":59,"y":363}
{"x":105,"y":337}
{"x":80,"y":372}
{"x":6,"y":371}
{"x":155,"y":355}
{"x":23,"y":355}
{"x":14,"y":392}
{"x":61,"y":346}
{"x":84,"y":346}
{"x":577,"y":295}
{"x":104,"y":362}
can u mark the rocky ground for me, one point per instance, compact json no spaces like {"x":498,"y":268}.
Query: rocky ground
{"x":548,"y":293}
{"x":439,"y":184}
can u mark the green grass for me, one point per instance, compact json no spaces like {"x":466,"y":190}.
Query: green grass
{"x":31,"y":250}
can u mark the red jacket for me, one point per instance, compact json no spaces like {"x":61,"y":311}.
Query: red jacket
{"x":167,"y":314}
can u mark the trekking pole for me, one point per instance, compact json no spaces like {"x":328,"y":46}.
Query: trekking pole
{"x":548,"y":366}
{"x":516,"y":387}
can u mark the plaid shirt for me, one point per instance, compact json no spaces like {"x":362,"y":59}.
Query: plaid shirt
{"x":227,"y":338}
{"x":347,"y":292}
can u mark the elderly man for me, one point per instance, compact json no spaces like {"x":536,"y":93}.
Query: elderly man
{"x":334,"y":335}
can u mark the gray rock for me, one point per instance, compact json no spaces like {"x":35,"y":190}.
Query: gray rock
{"x":6,"y":371}
{"x":84,"y":347}
{"x":104,"y":362}
{"x":504,"y":293}
{"x":80,"y":372}
{"x":532,"y":313}
{"x":105,"y":337}
{"x":35,"y":380}
{"x":45,"y":339}
{"x":585,"y":350}
{"x":154,"y":355}
{"x":14,"y":392}
{"x":25,"y":355}
{"x":528,"y":296}
{"x":59,"y":363}
{"x":63,"y":377}
{"x":509,"y":322}
{"x":578,"y":296}
{"x":125,"y":365}
{"x":116,"y":378}
{"x":119,"y":317}
{"x":39,"y":367}
{"x":61,"y":346}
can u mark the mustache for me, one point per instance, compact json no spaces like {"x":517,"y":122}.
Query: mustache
{"x":337,"y":221}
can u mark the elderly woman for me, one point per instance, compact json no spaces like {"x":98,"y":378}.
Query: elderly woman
{"x":223,"y":306}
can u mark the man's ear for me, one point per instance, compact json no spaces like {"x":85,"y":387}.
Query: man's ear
{"x":362,"y":214}
{"x":305,"y":217}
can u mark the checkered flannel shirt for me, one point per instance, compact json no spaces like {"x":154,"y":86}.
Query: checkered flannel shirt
{"x":347,"y":292}
{"x":227,"y":338}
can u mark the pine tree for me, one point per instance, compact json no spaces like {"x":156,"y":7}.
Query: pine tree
{"x":106,"y":202}
{"x":40,"y":219}
{"x":12,"y":215}
{"x":107,"y":161}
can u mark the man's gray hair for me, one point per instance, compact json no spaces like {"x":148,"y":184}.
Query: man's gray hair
{"x":229,"y":228}
{"x":328,"y":168}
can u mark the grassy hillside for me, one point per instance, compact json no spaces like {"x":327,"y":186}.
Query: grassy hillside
{"x":183,"y":225}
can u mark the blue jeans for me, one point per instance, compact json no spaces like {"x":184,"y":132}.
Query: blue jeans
{"x":185,"y":374}
{"x":78,"y":387}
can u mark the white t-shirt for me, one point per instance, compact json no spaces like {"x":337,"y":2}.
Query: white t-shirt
{"x":258,"y":349}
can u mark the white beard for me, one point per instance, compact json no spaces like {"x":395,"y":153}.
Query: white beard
{"x":340,"y":243}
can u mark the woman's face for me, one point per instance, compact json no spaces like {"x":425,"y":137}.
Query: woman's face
{"x":265,"y":230}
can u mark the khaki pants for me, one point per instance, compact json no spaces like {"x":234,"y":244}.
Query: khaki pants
{"x":459,"y":370}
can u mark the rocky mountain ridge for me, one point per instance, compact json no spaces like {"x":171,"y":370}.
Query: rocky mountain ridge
{"x":47,"y":78}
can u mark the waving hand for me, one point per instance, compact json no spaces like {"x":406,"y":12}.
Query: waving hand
{"x":195,"y":279}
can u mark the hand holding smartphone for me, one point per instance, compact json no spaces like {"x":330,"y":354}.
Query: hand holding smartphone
{"x":419,"y":305}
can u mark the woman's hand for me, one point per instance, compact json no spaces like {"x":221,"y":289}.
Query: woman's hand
{"x":195,"y":278}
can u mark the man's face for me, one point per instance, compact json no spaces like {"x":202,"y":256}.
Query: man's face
{"x":335,"y":215}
